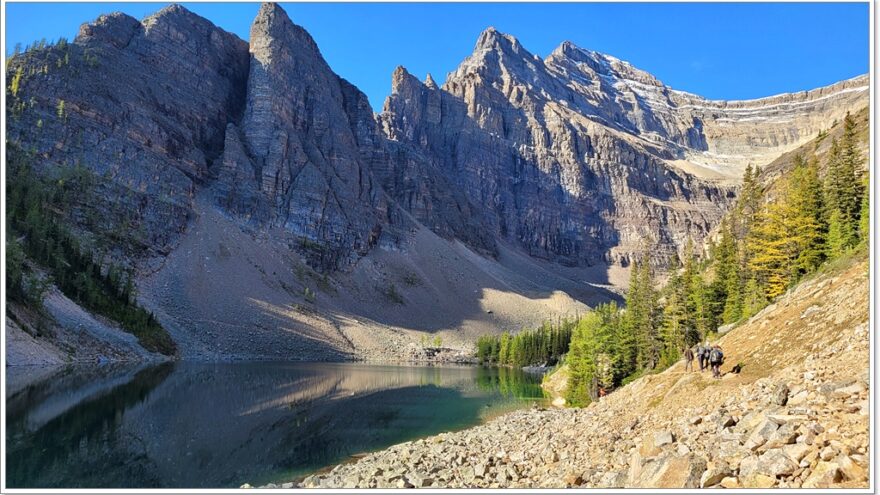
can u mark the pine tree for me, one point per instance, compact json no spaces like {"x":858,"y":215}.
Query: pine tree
{"x":865,"y":217}
{"x":839,"y":235}
{"x":724,"y":289}
{"x":753,"y":298}
{"x":674,"y":328}
{"x":733,"y":305}
{"x":807,"y":228}
{"x":640,"y":316}
{"x":851,"y":170}
{"x":834,"y":189}
{"x":582,"y":382}
{"x":844,"y":189}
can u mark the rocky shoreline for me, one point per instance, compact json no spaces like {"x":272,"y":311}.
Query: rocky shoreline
{"x":748,"y":441}
{"x":796,"y":417}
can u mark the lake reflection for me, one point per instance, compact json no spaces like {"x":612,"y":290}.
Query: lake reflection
{"x":190,"y":425}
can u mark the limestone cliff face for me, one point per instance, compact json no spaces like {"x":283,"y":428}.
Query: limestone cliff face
{"x":578,"y":158}
{"x":712,"y":135}
{"x":549,"y":177}
{"x":293,"y":161}
{"x":143,"y":105}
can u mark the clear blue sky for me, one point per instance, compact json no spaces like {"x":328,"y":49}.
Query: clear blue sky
{"x":720,"y":50}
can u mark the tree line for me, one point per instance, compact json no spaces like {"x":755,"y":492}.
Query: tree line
{"x":771,"y":239}
{"x":544,"y":345}
{"x":37,"y":236}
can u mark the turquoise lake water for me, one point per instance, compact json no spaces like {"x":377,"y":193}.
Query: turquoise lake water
{"x":195,"y":425}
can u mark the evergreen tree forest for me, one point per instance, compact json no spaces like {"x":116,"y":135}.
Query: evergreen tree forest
{"x":778,"y":232}
{"x":36,"y":236}
{"x":542,"y":346}
{"x":770,"y":241}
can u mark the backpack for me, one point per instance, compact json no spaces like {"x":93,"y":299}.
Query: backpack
{"x":716,"y":356}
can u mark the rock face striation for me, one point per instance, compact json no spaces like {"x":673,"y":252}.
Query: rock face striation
{"x":293,"y":160}
{"x":578,"y":160}
{"x":142,"y":104}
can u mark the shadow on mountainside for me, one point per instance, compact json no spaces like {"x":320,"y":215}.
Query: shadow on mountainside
{"x":226,"y":293}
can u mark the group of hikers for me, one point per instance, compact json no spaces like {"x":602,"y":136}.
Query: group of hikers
{"x":709,"y":356}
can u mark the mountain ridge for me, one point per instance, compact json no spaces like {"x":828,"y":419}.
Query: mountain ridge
{"x":504,"y":167}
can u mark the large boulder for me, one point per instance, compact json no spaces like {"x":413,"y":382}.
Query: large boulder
{"x":670,"y":471}
{"x":824,"y":475}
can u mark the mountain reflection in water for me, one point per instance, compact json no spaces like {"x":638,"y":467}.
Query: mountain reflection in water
{"x":191,"y":425}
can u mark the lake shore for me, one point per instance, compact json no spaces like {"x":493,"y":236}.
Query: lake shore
{"x":796,"y":416}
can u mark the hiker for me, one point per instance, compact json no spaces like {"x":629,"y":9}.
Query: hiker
{"x":688,"y":360}
{"x":707,"y":349}
{"x":716,"y":358}
{"x":701,"y":353}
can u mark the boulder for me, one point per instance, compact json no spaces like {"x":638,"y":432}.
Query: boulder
{"x":671,"y":471}
{"x":761,"y":434}
{"x":850,"y":470}
{"x":785,"y":435}
{"x":730,"y":482}
{"x":775,"y":462}
{"x":662,"y":438}
{"x":714,"y":474}
{"x":780,"y":395}
{"x":797,"y":451}
{"x":758,"y":481}
{"x":824,"y":475}
{"x":648,"y":447}
{"x":573,"y":479}
{"x":726,"y":421}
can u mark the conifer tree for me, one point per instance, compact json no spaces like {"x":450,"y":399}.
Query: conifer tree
{"x":674,"y":328}
{"x":807,"y":228}
{"x":865,"y":216}
{"x":753,"y":298}
{"x":725,"y":285}
{"x":839,"y":235}
{"x":851,"y":170}
{"x":844,"y":190}
{"x":771,"y":248}
{"x":640,"y":316}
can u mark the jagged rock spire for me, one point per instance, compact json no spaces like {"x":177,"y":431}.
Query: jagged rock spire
{"x":429,"y":82}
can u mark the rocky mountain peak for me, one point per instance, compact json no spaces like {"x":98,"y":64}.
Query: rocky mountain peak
{"x":116,"y":29}
{"x":492,"y":39}
{"x":270,"y":17}
{"x":177,"y":17}
{"x":498,"y":60}
{"x":495,"y":45}
{"x":401,"y":79}
{"x":430,"y":83}
{"x":274,"y":31}
{"x":593,"y":63}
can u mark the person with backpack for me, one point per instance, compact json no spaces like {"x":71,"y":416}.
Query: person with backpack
{"x":688,"y":360}
{"x":701,"y":354}
{"x":716,"y":358}
{"x":707,"y":349}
